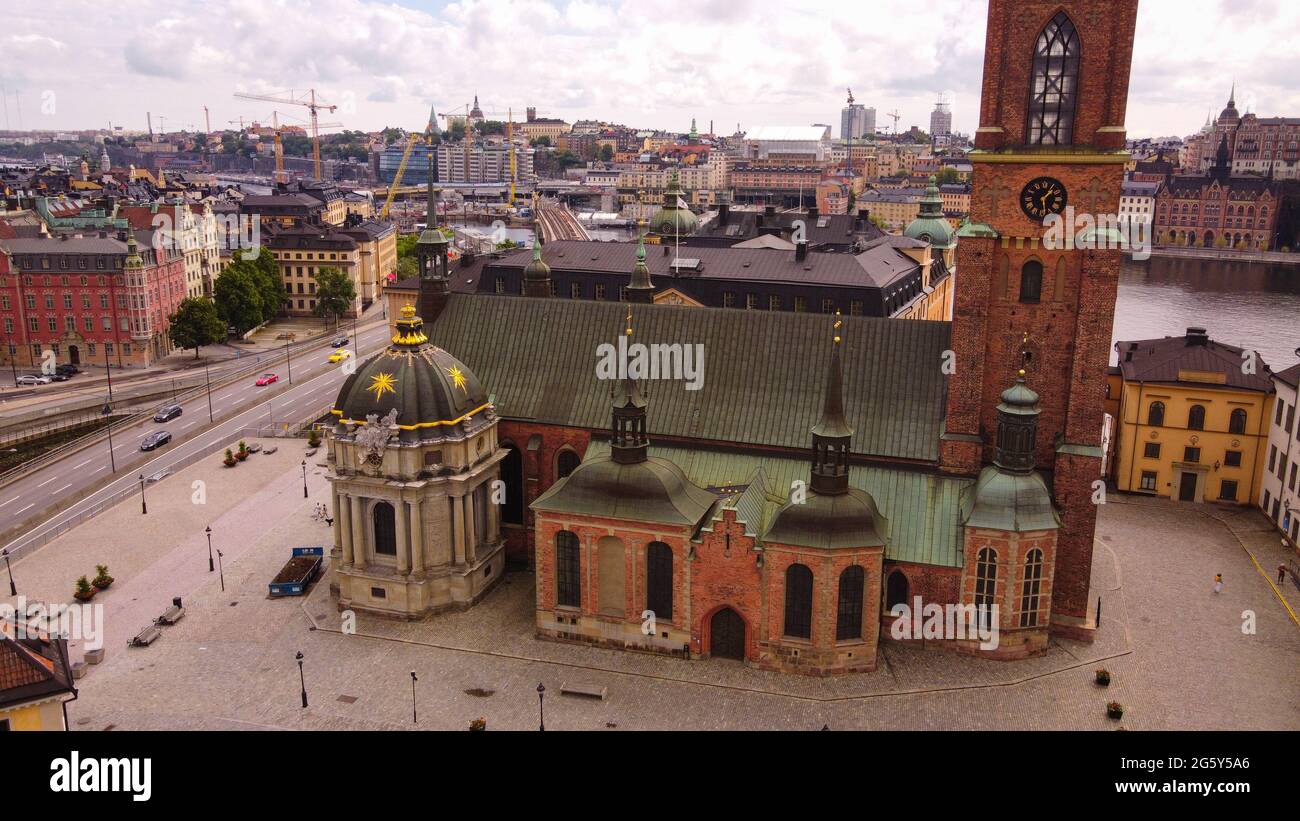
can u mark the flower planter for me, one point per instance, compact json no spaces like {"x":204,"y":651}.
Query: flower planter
{"x":1115,"y":711}
{"x":1103,"y":678}
{"x":102,"y":584}
{"x":242,"y":455}
{"x":230,"y":463}
{"x":84,"y":595}
{"x":95,"y":656}
{"x":478,"y":725}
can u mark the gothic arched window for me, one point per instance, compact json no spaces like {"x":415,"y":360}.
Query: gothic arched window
{"x":1196,"y":418}
{"x":798,"y":601}
{"x":659,"y":580}
{"x":566,"y":463}
{"x":848,"y":615}
{"x":1055,"y":88}
{"x":385,"y":529}
{"x":896,"y":589}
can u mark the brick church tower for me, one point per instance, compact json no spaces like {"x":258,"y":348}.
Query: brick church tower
{"x":1051,"y":135}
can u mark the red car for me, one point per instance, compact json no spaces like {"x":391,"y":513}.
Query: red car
{"x":266,"y":379}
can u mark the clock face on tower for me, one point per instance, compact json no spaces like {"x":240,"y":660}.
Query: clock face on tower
{"x":1043,"y":196}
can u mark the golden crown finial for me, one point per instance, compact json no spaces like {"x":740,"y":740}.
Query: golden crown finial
{"x":629,"y":322}
{"x":839,"y":323}
{"x":1022,"y":373}
{"x":408,"y":311}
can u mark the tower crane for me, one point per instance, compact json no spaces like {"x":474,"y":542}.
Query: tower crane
{"x":510,"y":142}
{"x":406,"y":156}
{"x":312,"y":104}
{"x":895,"y":116}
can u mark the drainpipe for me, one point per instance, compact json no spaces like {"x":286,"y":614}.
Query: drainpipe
{"x":1137,"y":424}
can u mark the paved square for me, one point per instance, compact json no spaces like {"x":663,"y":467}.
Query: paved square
{"x":1175,"y":648}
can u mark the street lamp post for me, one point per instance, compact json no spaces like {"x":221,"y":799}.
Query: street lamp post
{"x":144,"y":507}
{"x":355,"y":348}
{"x":301,"y":679}
{"x":208,"y":530}
{"x":13,"y":591}
{"x":108,"y":412}
{"x":541,"y":712}
{"x":13,"y":357}
{"x":288,"y":357}
{"x":415,"y":719}
{"x":207,"y":378}
{"x":221,"y":570}
{"x":304,"y":478}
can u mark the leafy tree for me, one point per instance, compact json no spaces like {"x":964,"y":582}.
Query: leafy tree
{"x":407,"y":268}
{"x":567,"y":159}
{"x":266,"y":275}
{"x":490,"y":127}
{"x":543,"y":141}
{"x":237,"y":298}
{"x":949,"y":176}
{"x":195,"y":324}
{"x":335,"y":293}
{"x":456,"y":131}
{"x":606,"y":152}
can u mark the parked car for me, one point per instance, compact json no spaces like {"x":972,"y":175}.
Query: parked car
{"x":68,"y":368}
{"x":60,"y":377}
{"x":33,"y":379}
{"x":266,"y":379}
{"x":340,"y":355}
{"x":340,"y":342}
{"x":167,"y":412}
{"x":155,"y":440}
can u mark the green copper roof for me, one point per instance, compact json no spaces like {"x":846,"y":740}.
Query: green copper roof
{"x":930,"y":225}
{"x":922,"y":510}
{"x":976,"y":230}
{"x":655,"y":490}
{"x":1018,"y":503}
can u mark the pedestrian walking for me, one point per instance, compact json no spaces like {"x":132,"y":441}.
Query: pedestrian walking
{"x":1281,"y":573}
{"x":1218,"y":582}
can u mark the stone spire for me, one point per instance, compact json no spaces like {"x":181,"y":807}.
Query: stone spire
{"x":832,"y":434}
{"x":628,"y":422}
{"x":641,"y":289}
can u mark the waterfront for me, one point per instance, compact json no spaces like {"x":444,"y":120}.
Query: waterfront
{"x":1255,"y":306}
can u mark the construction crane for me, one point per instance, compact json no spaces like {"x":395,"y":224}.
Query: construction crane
{"x":510,"y":142}
{"x":312,"y":104}
{"x":895,"y":116}
{"x":406,"y":156}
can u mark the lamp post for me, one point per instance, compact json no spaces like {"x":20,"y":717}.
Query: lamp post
{"x":208,"y":530}
{"x":288,"y":357}
{"x":415,"y":719}
{"x":13,"y":357}
{"x":13,"y":591}
{"x":301,"y":679}
{"x":207,"y":378}
{"x":221,"y":570}
{"x":355,"y":348}
{"x":304,"y":478}
{"x":108,"y":412}
{"x":541,"y":712}
{"x":144,"y":507}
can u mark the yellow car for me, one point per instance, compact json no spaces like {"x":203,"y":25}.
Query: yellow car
{"x":340,"y":355}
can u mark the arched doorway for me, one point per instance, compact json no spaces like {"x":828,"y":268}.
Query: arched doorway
{"x":727,"y":635}
{"x":74,"y":354}
{"x":385,"y":529}
{"x":512,"y":473}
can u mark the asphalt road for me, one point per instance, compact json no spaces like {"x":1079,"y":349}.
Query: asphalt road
{"x":316,"y":381}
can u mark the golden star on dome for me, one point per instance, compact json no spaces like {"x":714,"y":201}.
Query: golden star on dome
{"x":458,"y":378}
{"x":380,"y":383}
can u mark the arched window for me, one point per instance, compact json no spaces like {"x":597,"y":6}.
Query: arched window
{"x":848,"y":614}
{"x":1156,"y":414}
{"x":1237,"y":422}
{"x":986,"y":586}
{"x":385,"y":529}
{"x":1055,"y":84}
{"x":565,"y":463}
{"x":798,"y":601}
{"x":1196,"y":418}
{"x":568,"y":577}
{"x":896,"y":590}
{"x":1031,"y":281}
{"x":1030,"y":588}
{"x":659,"y":580}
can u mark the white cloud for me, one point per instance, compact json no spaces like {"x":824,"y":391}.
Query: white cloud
{"x":655,"y":63}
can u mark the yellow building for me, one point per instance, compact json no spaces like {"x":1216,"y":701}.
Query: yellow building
{"x":35,"y":679}
{"x":1189,"y":419}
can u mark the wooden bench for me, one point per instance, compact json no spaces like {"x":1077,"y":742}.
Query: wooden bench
{"x":171,"y":615}
{"x":146,"y":636}
{"x":582,"y":689}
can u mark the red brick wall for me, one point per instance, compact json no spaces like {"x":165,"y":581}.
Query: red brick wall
{"x":538,"y":474}
{"x":725,"y":574}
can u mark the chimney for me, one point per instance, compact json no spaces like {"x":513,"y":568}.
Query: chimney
{"x":769,"y":210}
{"x":724,"y":212}
{"x":801,"y":251}
{"x":813,"y":212}
{"x":667,"y":248}
{"x":1197,"y":336}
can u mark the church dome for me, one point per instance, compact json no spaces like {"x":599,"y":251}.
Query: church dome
{"x":434,"y":394}
{"x":930,"y":224}
{"x":673,"y":218}
{"x":829,"y":521}
{"x":652,"y":490}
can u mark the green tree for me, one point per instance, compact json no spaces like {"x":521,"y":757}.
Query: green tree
{"x":335,"y":293}
{"x":543,"y":141}
{"x":407,"y":268}
{"x":949,"y":176}
{"x":456,"y":131}
{"x":237,"y":298}
{"x":195,"y":324}
{"x":266,"y":277}
{"x":606,"y":152}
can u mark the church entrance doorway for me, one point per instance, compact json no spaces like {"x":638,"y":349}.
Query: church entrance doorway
{"x":1187,"y":488}
{"x":74,"y":354}
{"x":727,"y":635}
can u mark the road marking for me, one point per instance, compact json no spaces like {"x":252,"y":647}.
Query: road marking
{"x":29,"y":507}
{"x":14,"y":499}
{"x":224,"y":398}
{"x":46,"y":482}
{"x":83,"y":464}
{"x":65,"y":487}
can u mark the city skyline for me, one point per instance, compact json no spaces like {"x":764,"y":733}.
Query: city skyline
{"x":376,"y":62}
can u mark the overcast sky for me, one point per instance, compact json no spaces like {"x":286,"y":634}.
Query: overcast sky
{"x":645,"y":63}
